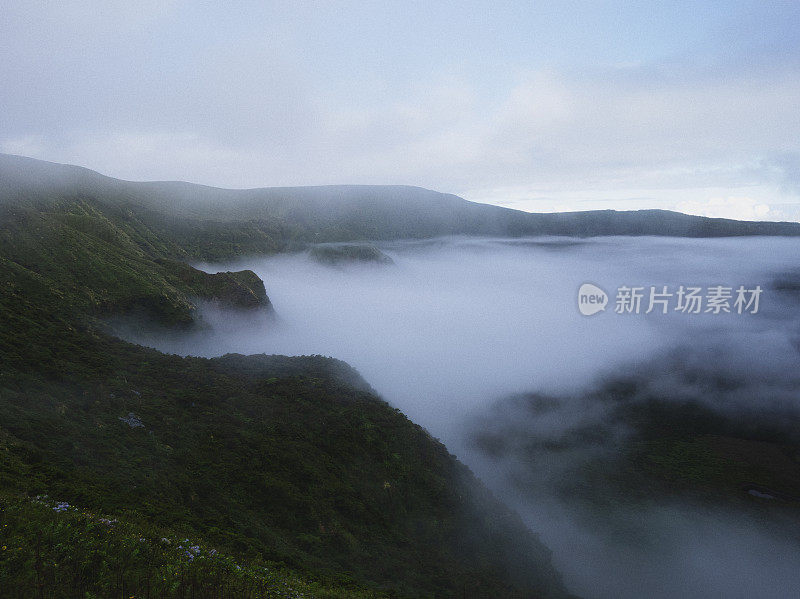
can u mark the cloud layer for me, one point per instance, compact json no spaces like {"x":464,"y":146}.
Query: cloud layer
{"x":550,"y":106}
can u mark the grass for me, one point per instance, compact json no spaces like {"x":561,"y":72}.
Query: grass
{"x":55,"y":550}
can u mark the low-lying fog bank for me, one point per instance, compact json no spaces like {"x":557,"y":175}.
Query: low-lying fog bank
{"x":454,"y":327}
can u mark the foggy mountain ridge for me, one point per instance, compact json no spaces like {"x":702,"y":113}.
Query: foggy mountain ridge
{"x":288,"y":215}
{"x":75,"y":244}
{"x":371,"y":300}
{"x":292,"y":460}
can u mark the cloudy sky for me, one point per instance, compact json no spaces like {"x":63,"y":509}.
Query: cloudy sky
{"x":541,"y":106}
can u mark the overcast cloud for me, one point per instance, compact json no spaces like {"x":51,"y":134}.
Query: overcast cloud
{"x":535,"y":105}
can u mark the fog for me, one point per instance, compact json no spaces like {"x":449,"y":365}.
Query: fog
{"x":458,"y":333}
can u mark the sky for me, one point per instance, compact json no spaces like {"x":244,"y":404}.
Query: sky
{"x":539,"y":106}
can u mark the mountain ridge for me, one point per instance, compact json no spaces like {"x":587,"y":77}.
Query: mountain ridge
{"x":310,"y":214}
{"x":293,"y":462}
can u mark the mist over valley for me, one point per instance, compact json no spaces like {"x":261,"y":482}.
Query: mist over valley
{"x":564,"y":415}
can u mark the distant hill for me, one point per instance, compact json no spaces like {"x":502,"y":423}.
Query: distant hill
{"x":212,"y":223}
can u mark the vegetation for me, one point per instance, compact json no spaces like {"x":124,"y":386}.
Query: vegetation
{"x":204,"y":223}
{"x":649,"y":446}
{"x":275,"y":462}
{"x":52,"y":549}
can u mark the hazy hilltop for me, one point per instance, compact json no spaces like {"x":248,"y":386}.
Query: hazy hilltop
{"x":272,"y":219}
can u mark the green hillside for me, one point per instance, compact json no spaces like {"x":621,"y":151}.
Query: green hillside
{"x":284,"y":464}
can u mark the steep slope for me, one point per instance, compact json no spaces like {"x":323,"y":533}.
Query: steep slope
{"x":292,"y":461}
{"x":108,"y":260}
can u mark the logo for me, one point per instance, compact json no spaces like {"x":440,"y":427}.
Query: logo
{"x":666,"y":299}
{"x":591,"y":299}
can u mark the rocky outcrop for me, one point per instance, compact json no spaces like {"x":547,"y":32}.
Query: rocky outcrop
{"x":242,"y":290}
